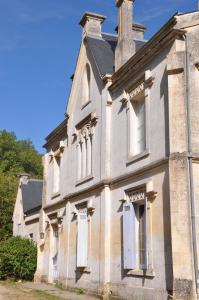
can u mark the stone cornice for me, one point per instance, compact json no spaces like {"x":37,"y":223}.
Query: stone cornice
{"x":122,"y":178}
{"x":106,"y":182}
{"x":57,"y":133}
{"x":90,"y":15}
{"x":164,"y":37}
{"x":119,"y":2}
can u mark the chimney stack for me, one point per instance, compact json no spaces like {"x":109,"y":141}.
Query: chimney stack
{"x":24,"y":178}
{"x":125,"y":46}
{"x":91,"y":24}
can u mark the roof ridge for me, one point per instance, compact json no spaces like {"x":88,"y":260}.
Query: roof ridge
{"x":36,"y":180}
{"x":110,"y":34}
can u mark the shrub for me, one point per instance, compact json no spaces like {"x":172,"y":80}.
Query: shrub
{"x":18,"y":259}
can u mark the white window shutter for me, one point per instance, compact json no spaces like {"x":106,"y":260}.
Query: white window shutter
{"x":129,"y":242}
{"x":82,"y":240}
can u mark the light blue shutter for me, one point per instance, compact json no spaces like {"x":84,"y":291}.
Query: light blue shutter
{"x":82,"y":239}
{"x":129,"y":243}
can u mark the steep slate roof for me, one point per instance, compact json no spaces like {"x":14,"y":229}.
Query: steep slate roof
{"x":32,"y":195}
{"x":103,"y":51}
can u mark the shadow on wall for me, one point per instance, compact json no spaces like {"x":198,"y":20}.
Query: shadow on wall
{"x":164,"y":96}
{"x":167,"y":233}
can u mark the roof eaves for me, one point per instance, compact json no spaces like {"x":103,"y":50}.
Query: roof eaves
{"x":56,"y":133}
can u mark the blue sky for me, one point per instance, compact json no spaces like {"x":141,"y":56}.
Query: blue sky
{"x":39,"y":42}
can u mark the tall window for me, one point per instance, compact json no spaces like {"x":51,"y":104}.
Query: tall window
{"x":55,"y":249}
{"x":84,"y":150}
{"x":138,"y":125}
{"x":82,"y":238}
{"x":86,"y":85}
{"x":56,"y":174}
{"x":135,"y":232}
{"x":139,"y":128}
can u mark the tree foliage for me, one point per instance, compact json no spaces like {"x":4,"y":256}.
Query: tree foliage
{"x":16,"y":157}
{"x":18,"y":258}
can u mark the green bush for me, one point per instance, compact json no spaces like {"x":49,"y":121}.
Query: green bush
{"x":18,"y":259}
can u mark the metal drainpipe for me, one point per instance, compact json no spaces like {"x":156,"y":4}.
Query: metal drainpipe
{"x":190,"y":166}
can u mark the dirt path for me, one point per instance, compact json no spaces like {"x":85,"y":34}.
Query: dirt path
{"x":10,"y":291}
{"x":33,"y":291}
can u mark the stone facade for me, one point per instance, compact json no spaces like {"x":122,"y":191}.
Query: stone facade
{"x":119,"y":214}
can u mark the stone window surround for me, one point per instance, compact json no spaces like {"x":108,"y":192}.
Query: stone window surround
{"x":57,"y":153}
{"x":146,"y":185}
{"x":87,"y":74}
{"x":84,"y":130}
{"x":88,"y":204}
{"x":141,"y":85}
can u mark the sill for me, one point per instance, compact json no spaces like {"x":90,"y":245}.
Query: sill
{"x":141,"y":273}
{"x":137,"y":157}
{"x":84,"y":105}
{"x":84,"y":180}
{"x":83,"y":270}
{"x":55,"y":195}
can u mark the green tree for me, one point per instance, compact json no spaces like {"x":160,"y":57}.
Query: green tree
{"x":16,"y":157}
{"x":18,"y":258}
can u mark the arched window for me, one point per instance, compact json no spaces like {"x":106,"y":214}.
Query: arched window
{"x":86,"y":85}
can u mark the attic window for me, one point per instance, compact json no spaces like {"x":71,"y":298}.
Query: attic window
{"x":86,"y":85}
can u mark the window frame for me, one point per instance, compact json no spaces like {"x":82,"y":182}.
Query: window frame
{"x":85,"y":139}
{"x":55,"y":162}
{"x":150,"y":195}
{"x":140,"y":88}
{"x":82,"y":207}
{"x":86,"y":83}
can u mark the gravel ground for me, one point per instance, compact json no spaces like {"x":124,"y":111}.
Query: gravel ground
{"x":34,"y":291}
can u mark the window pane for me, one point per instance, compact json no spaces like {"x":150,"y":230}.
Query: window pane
{"x":139,"y":124}
{"x":142,"y":236}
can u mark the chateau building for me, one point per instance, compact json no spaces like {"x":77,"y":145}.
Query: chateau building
{"x":120,"y":205}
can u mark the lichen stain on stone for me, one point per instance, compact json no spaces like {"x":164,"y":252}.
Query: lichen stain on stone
{"x":182,"y":287}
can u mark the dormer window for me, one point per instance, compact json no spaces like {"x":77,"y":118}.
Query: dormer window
{"x":86,"y":85}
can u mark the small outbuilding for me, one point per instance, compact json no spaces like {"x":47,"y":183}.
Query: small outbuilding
{"x":27,"y":208}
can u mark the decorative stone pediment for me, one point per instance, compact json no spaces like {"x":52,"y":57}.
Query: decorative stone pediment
{"x":141,"y":85}
{"x":85,"y":129}
{"x":136,"y":91}
{"x":137,"y":196}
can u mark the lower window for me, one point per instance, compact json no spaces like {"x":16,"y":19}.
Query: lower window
{"x":135,"y":232}
{"x":82,"y":239}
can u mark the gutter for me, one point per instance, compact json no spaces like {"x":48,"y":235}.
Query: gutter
{"x":190,"y":165}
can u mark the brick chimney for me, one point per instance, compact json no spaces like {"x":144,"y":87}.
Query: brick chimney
{"x":125,"y":46}
{"x":92,"y":24}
